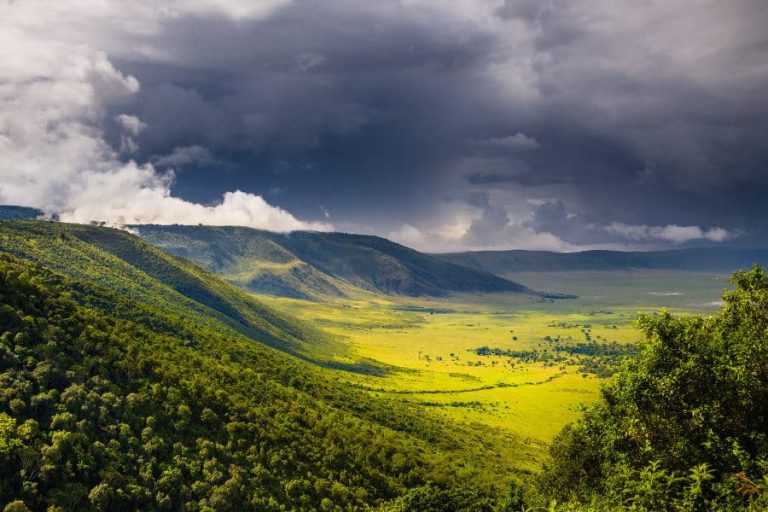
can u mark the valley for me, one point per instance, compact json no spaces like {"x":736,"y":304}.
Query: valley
{"x":364,"y":385}
{"x":429,"y":346}
{"x":490,"y":345}
{"x":393,"y":256}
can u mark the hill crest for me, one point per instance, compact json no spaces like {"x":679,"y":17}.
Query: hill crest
{"x":304,"y":264}
{"x":704,"y":259}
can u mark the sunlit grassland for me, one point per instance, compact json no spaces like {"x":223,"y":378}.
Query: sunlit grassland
{"x":427,"y":346}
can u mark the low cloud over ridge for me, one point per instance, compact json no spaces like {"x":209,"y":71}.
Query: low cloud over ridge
{"x":54,"y":102}
{"x":672,"y":233}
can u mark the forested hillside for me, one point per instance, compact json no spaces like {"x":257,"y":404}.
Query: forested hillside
{"x":115,"y":397}
{"x":118,"y":261}
{"x":131,"y":379}
{"x":305,"y":264}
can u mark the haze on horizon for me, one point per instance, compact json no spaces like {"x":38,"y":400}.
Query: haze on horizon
{"x":444,"y":125}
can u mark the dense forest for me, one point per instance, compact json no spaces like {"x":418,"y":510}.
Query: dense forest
{"x":132,"y":380}
{"x":120,"y":399}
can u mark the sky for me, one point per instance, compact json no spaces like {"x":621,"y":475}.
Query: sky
{"x":445,"y":125}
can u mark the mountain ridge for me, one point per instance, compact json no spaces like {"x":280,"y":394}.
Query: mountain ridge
{"x":718,"y":259}
{"x":302,"y":264}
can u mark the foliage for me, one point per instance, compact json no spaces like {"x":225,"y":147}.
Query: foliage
{"x":684,"y":426}
{"x":601,"y":359}
{"x":124,"y":386}
{"x":433,"y":499}
{"x":119,"y":261}
{"x":133,"y":380}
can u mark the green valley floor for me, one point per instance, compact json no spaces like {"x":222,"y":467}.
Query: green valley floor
{"x":514,"y":363}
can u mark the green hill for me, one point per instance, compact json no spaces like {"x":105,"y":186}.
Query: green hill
{"x":133,"y":380}
{"x":696,"y":259}
{"x":305,"y":264}
{"x":124,"y":263}
{"x":245,"y":257}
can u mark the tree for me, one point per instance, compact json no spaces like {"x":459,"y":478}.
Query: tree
{"x":694,"y":403}
{"x":16,"y":506}
{"x":430,"y":498}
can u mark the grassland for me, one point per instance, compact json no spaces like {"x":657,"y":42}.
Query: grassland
{"x":428,"y":346}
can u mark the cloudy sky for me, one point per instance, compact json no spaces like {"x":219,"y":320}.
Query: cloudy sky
{"x":446,"y":125}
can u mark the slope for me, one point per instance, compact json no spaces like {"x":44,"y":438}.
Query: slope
{"x":695,"y":259}
{"x":10,"y":212}
{"x":306,"y":263}
{"x":117,"y":398}
{"x":122,"y":262}
{"x":245,"y":257}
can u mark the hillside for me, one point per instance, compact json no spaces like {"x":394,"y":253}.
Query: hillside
{"x":9,"y":212}
{"x":245,"y":257}
{"x":119,"y":261}
{"x":697,"y":259}
{"x":132,"y":380}
{"x":305,"y":264}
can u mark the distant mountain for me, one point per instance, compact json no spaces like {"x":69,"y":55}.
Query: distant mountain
{"x":245,"y":257}
{"x":697,"y":259}
{"x":9,"y":212}
{"x":306,"y":264}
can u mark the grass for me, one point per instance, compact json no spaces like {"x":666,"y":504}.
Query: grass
{"x":428,"y":345}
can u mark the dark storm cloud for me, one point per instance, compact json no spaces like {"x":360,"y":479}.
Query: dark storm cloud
{"x":326,"y":100}
{"x":612,"y":113}
{"x":526,"y":179}
{"x":553,"y":217}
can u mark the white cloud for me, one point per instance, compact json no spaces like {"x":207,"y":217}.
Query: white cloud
{"x":514,"y":237}
{"x":309,"y":60}
{"x":410,"y":236}
{"x":151,"y":204}
{"x":236,"y":9}
{"x":184,"y":155}
{"x":54,"y":99}
{"x":670,"y":233}
{"x":496,"y":224}
{"x":518,"y":141}
{"x":131,"y":125}
{"x":718,"y":235}
{"x":511,"y":236}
